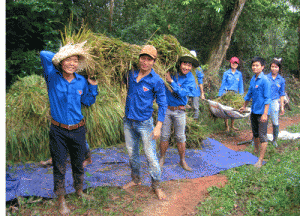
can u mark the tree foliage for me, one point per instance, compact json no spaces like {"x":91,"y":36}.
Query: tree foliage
{"x":268,"y":28}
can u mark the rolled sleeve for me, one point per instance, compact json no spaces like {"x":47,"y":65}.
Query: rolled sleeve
{"x":89,"y":97}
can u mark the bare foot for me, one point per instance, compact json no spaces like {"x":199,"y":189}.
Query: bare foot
{"x":184,"y":165}
{"x":258,"y":164}
{"x":162,"y":161}
{"x":63,"y":208}
{"x":87,"y":162}
{"x":130,"y":184}
{"x":160,"y":194}
{"x":45,"y":163}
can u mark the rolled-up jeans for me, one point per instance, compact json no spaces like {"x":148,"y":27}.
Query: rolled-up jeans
{"x":195,"y":104}
{"x":178,"y":118}
{"x":274,"y":111}
{"x":134,"y":132}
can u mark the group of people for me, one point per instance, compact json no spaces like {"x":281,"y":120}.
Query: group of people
{"x":68,"y":90}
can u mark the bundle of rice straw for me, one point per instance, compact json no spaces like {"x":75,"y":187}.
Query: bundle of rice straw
{"x":231,"y":99}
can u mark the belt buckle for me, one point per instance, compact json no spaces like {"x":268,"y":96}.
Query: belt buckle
{"x":70,"y":126}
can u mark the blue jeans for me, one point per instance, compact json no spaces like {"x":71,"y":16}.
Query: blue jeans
{"x":274,"y":111}
{"x":134,"y":132}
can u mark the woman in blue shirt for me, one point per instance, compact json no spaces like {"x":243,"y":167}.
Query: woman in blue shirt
{"x":277,"y":96}
{"x":232,"y":81}
{"x":67,"y":91}
{"x":181,"y":84}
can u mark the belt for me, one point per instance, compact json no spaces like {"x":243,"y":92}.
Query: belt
{"x":173,"y":108}
{"x":68,"y":127}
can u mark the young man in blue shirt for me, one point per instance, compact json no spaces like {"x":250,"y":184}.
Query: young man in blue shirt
{"x":67,"y":91}
{"x":181,"y":84}
{"x":144,"y":86}
{"x":260,"y":93}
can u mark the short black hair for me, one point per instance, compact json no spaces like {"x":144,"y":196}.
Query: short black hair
{"x":258,"y":59}
{"x":277,"y":62}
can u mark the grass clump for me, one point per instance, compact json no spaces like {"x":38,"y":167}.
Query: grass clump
{"x":271,"y":190}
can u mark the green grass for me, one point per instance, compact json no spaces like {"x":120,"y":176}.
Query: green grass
{"x":272,"y":190}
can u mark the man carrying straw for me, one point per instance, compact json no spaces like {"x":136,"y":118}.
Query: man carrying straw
{"x":67,"y":91}
{"x":182,"y":84}
{"x":144,"y":86}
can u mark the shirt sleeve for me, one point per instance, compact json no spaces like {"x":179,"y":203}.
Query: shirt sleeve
{"x":222,"y":88}
{"x":161,"y":100}
{"x":267,"y":92}
{"x":89,"y":97}
{"x":282,"y":88}
{"x":200,"y":75}
{"x":184,"y":90}
{"x":48,"y":67}
{"x":241,"y":84}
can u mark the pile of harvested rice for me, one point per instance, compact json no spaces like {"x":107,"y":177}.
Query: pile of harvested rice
{"x":231,"y":99}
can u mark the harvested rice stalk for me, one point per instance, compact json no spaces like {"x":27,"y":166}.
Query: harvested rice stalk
{"x":231,"y":99}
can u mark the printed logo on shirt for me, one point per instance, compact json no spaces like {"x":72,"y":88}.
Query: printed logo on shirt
{"x":237,"y":79}
{"x":80,"y":92}
{"x":145,"y":89}
{"x":256,"y":86}
{"x":278,"y":85}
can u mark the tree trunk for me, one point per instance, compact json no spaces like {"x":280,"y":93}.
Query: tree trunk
{"x":299,"y":49}
{"x":219,"y":50}
{"x":111,"y":5}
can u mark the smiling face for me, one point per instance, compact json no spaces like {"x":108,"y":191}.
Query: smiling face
{"x":257,"y":68}
{"x":274,"y":69}
{"x":185,"y":67}
{"x":70,"y":65}
{"x":146,"y":63}
{"x":234,"y":65}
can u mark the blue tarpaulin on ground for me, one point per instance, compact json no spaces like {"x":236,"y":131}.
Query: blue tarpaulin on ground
{"x":110,"y":167}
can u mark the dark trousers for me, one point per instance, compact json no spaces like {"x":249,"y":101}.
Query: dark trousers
{"x":259,"y":129}
{"x":62,"y":142}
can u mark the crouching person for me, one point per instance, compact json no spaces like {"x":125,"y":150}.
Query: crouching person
{"x":67,"y":91}
{"x":144,"y":86}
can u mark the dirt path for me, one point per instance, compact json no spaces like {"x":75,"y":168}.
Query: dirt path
{"x":184,"y":195}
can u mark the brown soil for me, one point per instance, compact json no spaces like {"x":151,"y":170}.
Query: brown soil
{"x":184,"y":195}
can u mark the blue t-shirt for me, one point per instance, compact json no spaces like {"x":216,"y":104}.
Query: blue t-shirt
{"x":259,"y":92}
{"x":140,"y":96}
{"x":232,"y":81}
{"x":66,"y":98}
{"x":277,"y":86}
{"x":182,"y":86}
